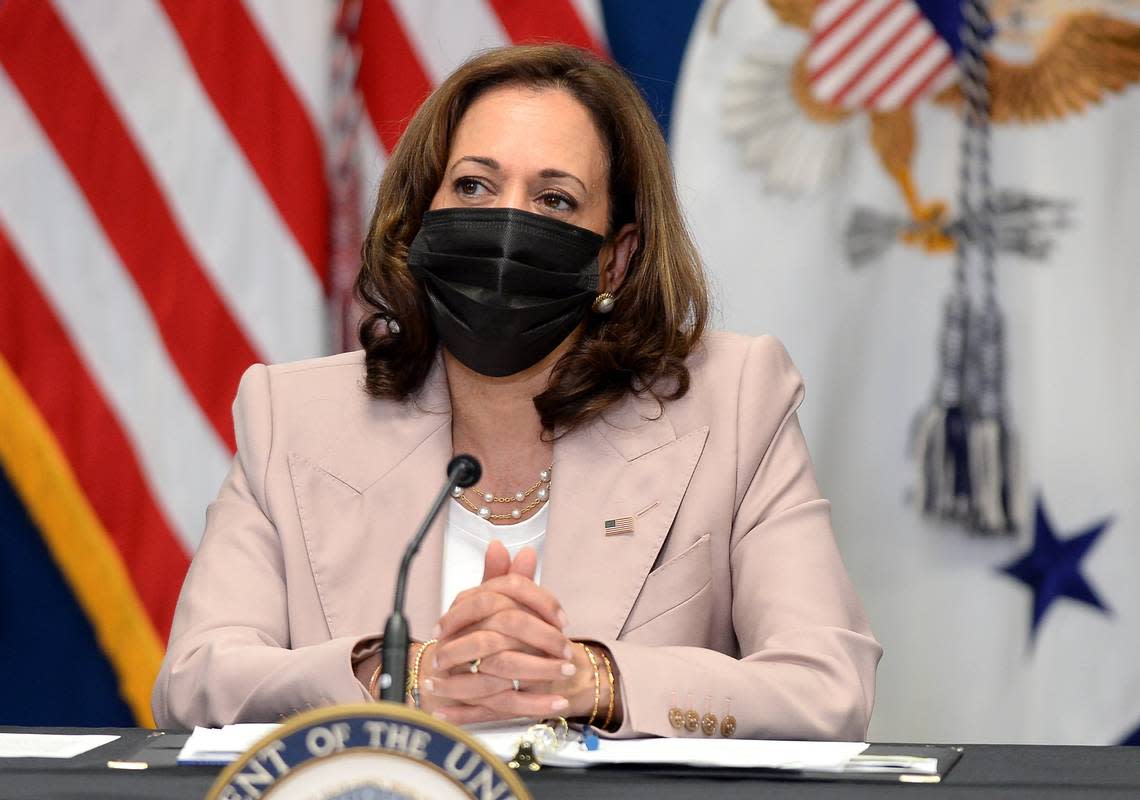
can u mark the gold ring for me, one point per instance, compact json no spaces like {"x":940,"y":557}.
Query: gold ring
{"x":474,"y":668}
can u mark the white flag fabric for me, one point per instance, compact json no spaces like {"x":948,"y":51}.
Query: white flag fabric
{"x":1030,"y":637}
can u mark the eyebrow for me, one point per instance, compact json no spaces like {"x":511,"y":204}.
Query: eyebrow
{"x":484,"y":160}
{"x":558,"y":173}
{"x":549,"y":172}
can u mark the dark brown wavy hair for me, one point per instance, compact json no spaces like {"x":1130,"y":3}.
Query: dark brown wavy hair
{"x":661,"y":308}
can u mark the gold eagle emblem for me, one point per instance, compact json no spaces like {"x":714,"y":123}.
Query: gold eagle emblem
{"x":1047,"y":59}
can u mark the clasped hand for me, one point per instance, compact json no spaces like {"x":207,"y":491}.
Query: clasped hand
{"x":514,"y":630}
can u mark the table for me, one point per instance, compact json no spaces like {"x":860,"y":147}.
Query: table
{"x":986,"y":770}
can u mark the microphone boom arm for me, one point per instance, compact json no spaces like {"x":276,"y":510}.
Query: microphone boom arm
{"x":462,"y":471}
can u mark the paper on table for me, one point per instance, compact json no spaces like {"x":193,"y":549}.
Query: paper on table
{"x":222,"y":745}
{"x":50,"y":745}
{"x":736,"y":753}
{"x":923,"y":765}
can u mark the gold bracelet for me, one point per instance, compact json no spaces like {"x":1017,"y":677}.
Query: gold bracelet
{"x":414,"y":673}
{"x":597,"y":683}
{"x":374,"y":681}
{"x":610,"y":678}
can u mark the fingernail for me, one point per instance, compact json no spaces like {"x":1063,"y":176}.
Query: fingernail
{"x":560,"y":704}
{"x":568,"y":652}
{"x":435,"y":663}
{"x":562,"y":620}
{"x":428,"y":685}
{"x":568,"y":670}
{"x":436,"y":631}
{"x":439,"y":715}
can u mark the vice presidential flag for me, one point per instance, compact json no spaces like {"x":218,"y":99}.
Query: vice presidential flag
{"x":819,"y":147}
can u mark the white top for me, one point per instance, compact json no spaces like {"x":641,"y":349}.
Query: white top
{"x":465,"y":544}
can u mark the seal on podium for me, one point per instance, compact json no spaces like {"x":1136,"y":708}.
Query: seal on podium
{"x":373,"y":751}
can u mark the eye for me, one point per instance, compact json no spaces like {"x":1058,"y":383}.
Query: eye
{"x":469,"y":187}
{"x":557,"y":201}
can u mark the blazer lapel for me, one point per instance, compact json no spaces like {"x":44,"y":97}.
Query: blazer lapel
{"x":362,"y":502}
{"x":629,"y":465}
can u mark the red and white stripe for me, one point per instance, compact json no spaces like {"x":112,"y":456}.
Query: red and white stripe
{"x":164,"y":219}
{"x":875,"y":54}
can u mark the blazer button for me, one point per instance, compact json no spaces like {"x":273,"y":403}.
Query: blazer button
{"x":692,"y":720}
{"x":728,"y":726}
{"x":708,"y":724}
{"x":676,"y":718}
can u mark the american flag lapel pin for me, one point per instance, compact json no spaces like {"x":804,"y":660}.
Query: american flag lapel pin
{"x":620,"y":525}
{"x":615,"y":527}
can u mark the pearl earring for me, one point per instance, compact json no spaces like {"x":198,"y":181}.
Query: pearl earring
{"x":604,"y":303}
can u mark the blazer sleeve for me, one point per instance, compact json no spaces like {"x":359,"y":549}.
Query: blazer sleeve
{"x":229,"y":657}
{"x":807,"y":655}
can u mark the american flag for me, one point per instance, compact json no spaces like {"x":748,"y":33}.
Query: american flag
{"x":180,"y":183}
{"x":880,"y":54}
{"x":614,"y":527}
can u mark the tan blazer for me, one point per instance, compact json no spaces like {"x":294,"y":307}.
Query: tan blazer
{"x":729,"y":595}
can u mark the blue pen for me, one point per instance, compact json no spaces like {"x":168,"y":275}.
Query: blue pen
{"x":589,"y":738}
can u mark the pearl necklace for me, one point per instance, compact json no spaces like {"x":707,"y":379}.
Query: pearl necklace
{"x":540,"y":490}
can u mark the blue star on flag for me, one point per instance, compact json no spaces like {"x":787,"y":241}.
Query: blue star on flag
{"x":1052,"y":567}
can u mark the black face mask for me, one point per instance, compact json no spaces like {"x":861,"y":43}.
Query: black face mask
{"x":505,"y":286}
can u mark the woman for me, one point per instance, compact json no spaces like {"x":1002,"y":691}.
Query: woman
{"x":535,"y":300}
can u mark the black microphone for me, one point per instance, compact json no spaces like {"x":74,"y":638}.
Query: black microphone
{"x":464,"y":471}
